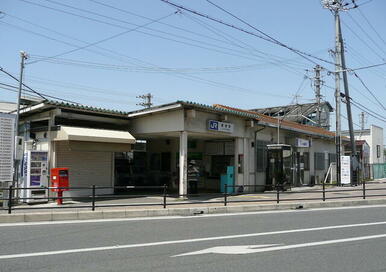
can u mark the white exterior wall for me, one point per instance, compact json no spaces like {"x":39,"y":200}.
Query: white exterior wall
{"x":158,"y":123}
{"x":373,"y":139}
{"x":320,"y":146}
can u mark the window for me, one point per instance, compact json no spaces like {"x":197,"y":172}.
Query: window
{"x":331,"y":158}
{"x":378,"y":151}
{"x":261,"y":156}
{"x":319,"y":161}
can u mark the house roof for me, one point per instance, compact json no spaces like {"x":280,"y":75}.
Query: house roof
{"x":217,"y":108}
{"x":81,"y":107}
{"x":301,"y":107}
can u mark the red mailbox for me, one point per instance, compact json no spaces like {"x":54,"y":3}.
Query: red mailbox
{"x":59,"y":180}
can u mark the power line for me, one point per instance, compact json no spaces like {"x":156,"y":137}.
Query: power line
{"x":365,"y":32}
{"x":298,"y":52}
{"x":371,"y":26}
{"x":14,"y":89}
{"x":362,"y":40}
{"x":367,"y":88}
{"x":108,"y":38}
{"x":15,"y":78}
{"x":198,"y":45}
{"x":365,"y":110}
{"x":145,"y":69}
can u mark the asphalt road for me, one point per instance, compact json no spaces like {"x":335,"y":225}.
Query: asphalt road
{"x":345,"y":239}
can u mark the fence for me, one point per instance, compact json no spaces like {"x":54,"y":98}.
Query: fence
{"x":278,"y":195}
{"x":379,"y":170}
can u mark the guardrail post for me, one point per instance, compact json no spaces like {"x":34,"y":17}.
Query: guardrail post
{"x":10,"y":192}
{"x":364,"y":189}
{"x":93,"y":198}
{"x":225,"y":194}
{"x":164,"y":196}
{"x":324,"y":191}
{"x":277,"y":193}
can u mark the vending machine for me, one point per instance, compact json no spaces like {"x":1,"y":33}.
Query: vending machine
{"x":35,"y":176}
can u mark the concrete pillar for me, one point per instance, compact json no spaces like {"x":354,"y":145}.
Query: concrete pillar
{"x":238,"y":151}
{"x":183,"y":184}
{"x":246,"y":161}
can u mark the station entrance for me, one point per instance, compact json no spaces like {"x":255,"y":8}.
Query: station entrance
{"x":154,"y":161}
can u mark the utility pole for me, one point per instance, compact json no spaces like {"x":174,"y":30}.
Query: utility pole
{"x":340,"y":65}
{"x":23,"y":56}
{"x":146,"y":100}
{"x":317,"y":83}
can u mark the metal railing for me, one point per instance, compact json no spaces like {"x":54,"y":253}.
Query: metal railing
{"x":276,"y":193}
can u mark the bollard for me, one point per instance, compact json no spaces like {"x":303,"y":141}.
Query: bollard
{"x":364,"y":189}
{"x":324,"y":191}
{"x":277,"y":194}
{"x":10,"y":192}
{"x":225,"y":194}
{"x":164,"y":196}
{"x":93,"y":198}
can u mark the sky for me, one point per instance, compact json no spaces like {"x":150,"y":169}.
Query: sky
{"x":106,"y":53}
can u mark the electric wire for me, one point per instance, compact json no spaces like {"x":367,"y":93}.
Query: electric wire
{"x":363,"y":41}
{"x":107,"y":38}
{"x":197,"y":43}
{"x":14,"y":89}
{"x":371,"y":26}
{"x":365,"y":110}
{"x":15,"y":78}
{"x":368,"y":90}
{"x":304,"y":55}
{"x":366,"y":33}
{"x":179,"y":75}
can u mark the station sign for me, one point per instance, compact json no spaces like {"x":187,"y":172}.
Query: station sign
{"x":302,"y":142}
{"x":220,"y":126}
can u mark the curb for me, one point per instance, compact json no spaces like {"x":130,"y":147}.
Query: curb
{"x":124,"y":213}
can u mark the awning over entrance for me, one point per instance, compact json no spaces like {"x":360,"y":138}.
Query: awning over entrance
{"x":93,"y":135}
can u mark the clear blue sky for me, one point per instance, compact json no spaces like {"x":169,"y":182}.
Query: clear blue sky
{"x":196,"y":60}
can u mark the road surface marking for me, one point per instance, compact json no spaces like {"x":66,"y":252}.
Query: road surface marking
{"x":266,"y":248}
{"x":227,"y":250}
{"x":183,"y":217}
{"x":194,"y":240}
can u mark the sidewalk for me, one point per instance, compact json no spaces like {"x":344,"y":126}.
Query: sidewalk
{"x":303,"y":197}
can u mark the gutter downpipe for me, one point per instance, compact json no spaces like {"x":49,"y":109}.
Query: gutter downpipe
{"x":257,"y":131}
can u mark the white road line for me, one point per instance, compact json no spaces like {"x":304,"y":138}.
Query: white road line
{"x":267,"y":248}
{"x":184,"y":241}
{"x":183,"y":217}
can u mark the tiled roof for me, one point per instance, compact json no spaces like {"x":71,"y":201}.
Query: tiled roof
{"x":224,"y":109}
{"x":83,"y":107}
{"x":284,"y":123}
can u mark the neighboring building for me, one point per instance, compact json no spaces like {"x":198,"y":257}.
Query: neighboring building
{"x":84,"y":139}
{"x":306,"y":114}
{"x":374,"y":138}
{"x":363,"y":154}
{"x":97,"y":147}
{"x":7,"y":107}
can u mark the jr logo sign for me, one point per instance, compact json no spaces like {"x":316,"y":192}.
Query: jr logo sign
{"x":220,"y":126}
